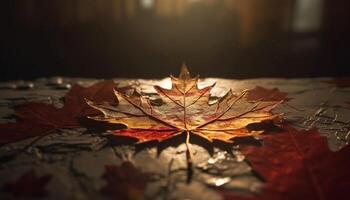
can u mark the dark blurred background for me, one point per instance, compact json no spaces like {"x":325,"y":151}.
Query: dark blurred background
{"x":151,"y":38}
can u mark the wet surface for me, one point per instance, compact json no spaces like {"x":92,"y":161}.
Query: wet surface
{"x":76,"y":158}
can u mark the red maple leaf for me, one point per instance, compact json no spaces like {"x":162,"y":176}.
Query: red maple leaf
{"x":299,"y":165}
{"x":343,"y":82}
{"x":36,"y":119}
{"x":28,"y":185}
{"x":264,"y":94}
{"x":124,"y":182}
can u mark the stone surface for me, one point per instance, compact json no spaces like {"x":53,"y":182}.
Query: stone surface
{"x":76,"y":158}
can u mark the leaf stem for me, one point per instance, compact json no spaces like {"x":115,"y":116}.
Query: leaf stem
{"x":189,"y":156}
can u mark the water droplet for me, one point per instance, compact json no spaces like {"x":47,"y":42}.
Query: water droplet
{"x":239,"y":156}
{"x":25,"y":85}
{"x":9,"y":86}
{"x":64,"y":86}
{"x":218,"y":181}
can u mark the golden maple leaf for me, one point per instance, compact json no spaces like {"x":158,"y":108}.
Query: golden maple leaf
{"x":185,"y":109}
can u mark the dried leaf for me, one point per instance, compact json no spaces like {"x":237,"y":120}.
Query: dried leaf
{"x":299,"y":165}
{"x":125,"y":182}
{"x":36,"y":119}
{"x":264,"y":94}
{"x":342,"y":82}
{"x":28,"y":185}
{"x":185,"y":109}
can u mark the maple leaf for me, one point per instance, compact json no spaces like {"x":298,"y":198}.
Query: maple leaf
{"x":125,"y":182}
{"x":298,"y":165}
{"x":38,"y":119}
{"x":185,"y":109}
{"x":264,"y":94}
{"x":28,"y":185}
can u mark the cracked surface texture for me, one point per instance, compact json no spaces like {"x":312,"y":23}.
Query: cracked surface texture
{"x":76,"y":158}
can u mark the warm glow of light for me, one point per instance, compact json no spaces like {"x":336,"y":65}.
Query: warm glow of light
{"x":307,"y":15}
{"x":147,"y":4}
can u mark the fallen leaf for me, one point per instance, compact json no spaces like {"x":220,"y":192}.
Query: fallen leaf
{"x":125,"y":182}
{"x":37,"y":119}
{"x":299,"y":165}
{"x":185,"y":109}
{"x":342,"y":82}
{"x":264,"y":94}
{"x":28,"y":185}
